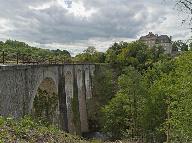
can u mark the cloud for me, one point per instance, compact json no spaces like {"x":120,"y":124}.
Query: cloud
{"x":51,"y":24}
{"x":74,"y":48}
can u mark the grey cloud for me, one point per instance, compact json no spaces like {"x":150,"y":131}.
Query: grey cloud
{"x":112,"y":19}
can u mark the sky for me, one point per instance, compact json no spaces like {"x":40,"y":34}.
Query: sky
{"x":54,"y":24}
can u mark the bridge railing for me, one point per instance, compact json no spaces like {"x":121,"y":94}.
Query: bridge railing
{"x":17,"y":58}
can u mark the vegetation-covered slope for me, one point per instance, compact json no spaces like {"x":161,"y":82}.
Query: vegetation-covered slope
{"x":29,"y":131}
{"x":12,"y":49}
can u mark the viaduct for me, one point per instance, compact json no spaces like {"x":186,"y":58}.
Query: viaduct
{"x":19,"y":85}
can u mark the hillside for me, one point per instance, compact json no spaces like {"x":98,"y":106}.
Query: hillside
{"x":27,"y":130}
{"x":15,"y":49}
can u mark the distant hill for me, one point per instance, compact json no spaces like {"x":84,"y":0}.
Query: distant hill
{"x":24,"y":52}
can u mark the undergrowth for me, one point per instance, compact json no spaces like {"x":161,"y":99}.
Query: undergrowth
{"x":27,"y":130}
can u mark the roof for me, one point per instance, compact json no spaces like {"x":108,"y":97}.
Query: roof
{"x":164,"y":38}
{"x":158,"y":39}
{"x":150,"y":36}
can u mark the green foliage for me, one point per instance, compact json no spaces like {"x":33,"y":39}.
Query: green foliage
{"x":27,"y":130}
{"x":32,"y":54}
{"x":153,"y":100}
{"x":180,"y":93}
{"x":155,"y":113}
{"x":169,"y":101}
{"x":180,"y":46}
{"x":45,"y":107}
{"x":141,"y":103}
{"x":155,"y":107}
{"x":104,"y":89}
{"x":135,"y":54}
{"x":159,"y":68}
{"x":122,"y":54}
{"x":116,"y":116}
{"x":190,"y":46}
{"x":90,"y":55}
{"x":145,"y":99}
{"x":113,"y":51}
{"x":122,"y":116}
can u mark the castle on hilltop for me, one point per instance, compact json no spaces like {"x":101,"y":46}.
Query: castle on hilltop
{"x":155,"y":40}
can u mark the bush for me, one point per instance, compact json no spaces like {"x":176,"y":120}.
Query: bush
{"x":27,"y":130}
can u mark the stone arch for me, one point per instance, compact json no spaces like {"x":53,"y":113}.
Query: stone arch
{"x":46,"y":102}
{"x":42,"y":75}
{"x":39,"y":78}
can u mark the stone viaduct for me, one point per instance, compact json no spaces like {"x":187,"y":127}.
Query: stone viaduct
{"x":19,"y":85}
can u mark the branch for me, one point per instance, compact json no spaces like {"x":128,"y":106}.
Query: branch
{"x":186,"y":3}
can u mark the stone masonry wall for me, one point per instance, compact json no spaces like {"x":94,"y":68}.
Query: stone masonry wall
{"x":19,"y":84}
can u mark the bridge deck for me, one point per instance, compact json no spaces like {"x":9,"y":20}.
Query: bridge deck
{"x":25,"y":66}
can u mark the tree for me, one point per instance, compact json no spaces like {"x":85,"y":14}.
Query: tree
{"x":155,"y":108}
{"x":113,"y":51}
{"x":185,"y":6}
{"x":103,"y":92}
{"x":122,"y":116}
{"x":91,"y":55}
{"x":135,"y":54}
{"x":168,"y":109}
{"x":180,"y":46}
{"x":117,"y":115}
{"x":31,"y":54}
{"x":190,"y":46}
{"x":181,"y":97}
{"x":90,"y":50}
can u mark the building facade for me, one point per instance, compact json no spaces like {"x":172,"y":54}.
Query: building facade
{"x":155,"y":40}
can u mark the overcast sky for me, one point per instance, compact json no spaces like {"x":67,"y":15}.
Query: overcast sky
{"x":51,"y":24}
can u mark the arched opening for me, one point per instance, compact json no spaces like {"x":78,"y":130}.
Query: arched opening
{"x":46,"y":103}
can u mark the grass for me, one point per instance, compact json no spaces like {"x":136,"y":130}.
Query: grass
{"x":27,"y":130}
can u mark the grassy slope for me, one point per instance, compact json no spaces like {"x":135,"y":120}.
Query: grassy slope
{"x":29,"y":53}
{"x":28,"y":131}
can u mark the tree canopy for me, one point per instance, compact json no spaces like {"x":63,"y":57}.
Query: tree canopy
{"x":29,"y":53}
